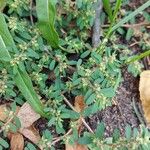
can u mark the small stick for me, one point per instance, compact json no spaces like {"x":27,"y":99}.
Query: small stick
{"x":96,"y":27}
{"x":31,"y":17}
{"x":130,"y":25}
{"x":59,"y":138}
{"x":83,"y":120}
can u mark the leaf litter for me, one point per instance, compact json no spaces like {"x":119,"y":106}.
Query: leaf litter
{"x":79,"y":106}
{"x":27,"y":117}
{"x":144,"y":88}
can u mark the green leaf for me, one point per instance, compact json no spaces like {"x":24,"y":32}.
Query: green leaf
{"x":47,"y":134}
{"x":116,"y":10}
{"x":108,"y":92}
{"x":128,"y":132}
{"x":70,"y":114}
{"x":24,"y":84}
{"x":5,"y":34}
{"x":85,"y":140}
{"x":46,"y":16}
{"x":91,"y":110}
{"x":90,"y":99}
{"x":100,"y":130}
{"x":30,"y":147}
{"x":32,"y":53}
{"x":85,"y":54}
{"x":135,"y":132}
{"x":4,"y":54}
{"x":107,"y":7}
{"x":79,"y":62}
{"x":79,"y":3}
{"x":129,"y":34}
{"x":116,"y":135}
{"x":4,"y":143}
{"x":52,"y":65}
{"x":13,"y":127}
{"x":1,"y":148}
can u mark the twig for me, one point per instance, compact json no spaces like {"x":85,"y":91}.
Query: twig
{"x":31,"y":17}
{"x":59,"y":138}
{"x":96,"y":27}
{"x":130,"y":25}
{"x":133,"y":44}
{"x":83,"y":120}
{"x":5,"y":124}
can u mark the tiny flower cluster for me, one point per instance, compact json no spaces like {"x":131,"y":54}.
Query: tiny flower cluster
{"x":18,"y":58}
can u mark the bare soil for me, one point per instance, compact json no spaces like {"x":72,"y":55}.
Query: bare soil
{"x":121,"y":112}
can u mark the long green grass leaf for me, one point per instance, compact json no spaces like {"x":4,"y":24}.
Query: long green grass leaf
{"x":108,"y":9}
{"x":131,"y":15}
{"x":46,"y":19}
{"x":120,"y":23}
{"x":138,"y":57}
{"x":116,"y":10}
{"x":4,"y":54}
{"x":24,"y":84}
{"x":4,"y":32}
{"x":21,"y":77}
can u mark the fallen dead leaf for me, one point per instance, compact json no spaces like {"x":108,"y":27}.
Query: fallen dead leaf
{"x":79,"y":106}
{"x":32,"y":134}
{"x":27,"y":116}
{"x":79,"y":103}
{"x":144,"y":89}
{"x":16,"y":141}
{"x":3,"y":115}
{"x":76,"y":146}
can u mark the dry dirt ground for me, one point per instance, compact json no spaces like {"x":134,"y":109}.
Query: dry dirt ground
{"x":122,"y":111}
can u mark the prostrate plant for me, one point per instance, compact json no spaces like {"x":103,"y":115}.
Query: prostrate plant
{"x":46,"y":15}
{"x":64,"y":65}
{"x":133,"y":139}
{"x":20,"y":76}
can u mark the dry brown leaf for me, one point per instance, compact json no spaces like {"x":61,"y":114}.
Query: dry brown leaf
{"x":79,"y":103}
{"x":27,"y":116}
{"x":32,"y":134}
{"x":16,"y":141}
{"x":76,"y":146}
{"x":3,"y":115}
{"x":144,"y":89}
{"x":79,"y":106}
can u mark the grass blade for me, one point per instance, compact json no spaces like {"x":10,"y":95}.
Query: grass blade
{"x":46,"y":16}
{"x":21,"y":77}
{"x":116,"y":10}
{"x":130,"y":16}
{"x":107,"y":7}
{"x":120,"y":23}
{"x":138,"y":57}
{"x":5,"y":34}
{"x":4,"y":54}
{"x":24,"y":84}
